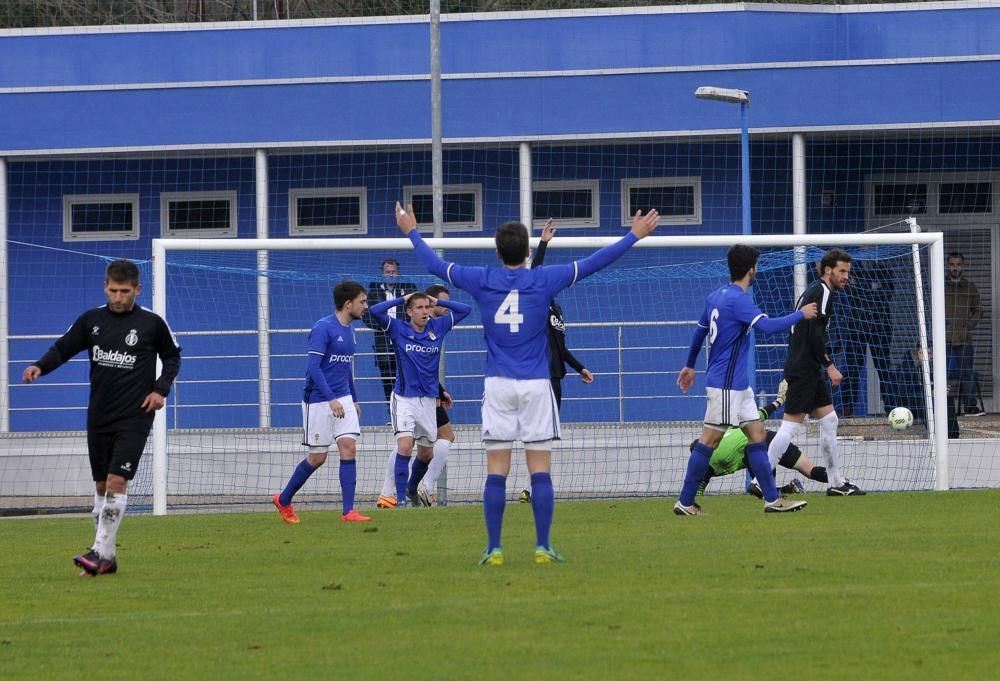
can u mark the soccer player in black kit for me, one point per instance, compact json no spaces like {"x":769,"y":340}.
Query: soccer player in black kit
{"x":808,"y":360}
{"x":123,"y":341}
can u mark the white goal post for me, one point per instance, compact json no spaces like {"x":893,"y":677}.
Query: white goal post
{"x":937,"y":416}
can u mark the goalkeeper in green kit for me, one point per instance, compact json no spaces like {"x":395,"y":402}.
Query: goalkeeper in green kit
{"x":731,"y":456}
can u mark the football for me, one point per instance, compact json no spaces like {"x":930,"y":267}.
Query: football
{"x":900,"y":418}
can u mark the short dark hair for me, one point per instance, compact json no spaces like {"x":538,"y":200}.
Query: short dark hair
{"x":741,"y":260}
{"x":414,"y":297}
{"x":345,"y":292}
{"x":512,"y":242}
{"x":956,"y":254}
{"x":389,"y":261}
{"x":435,"y":290}
{"x":122,"y":270}
{"x":832,"y":257}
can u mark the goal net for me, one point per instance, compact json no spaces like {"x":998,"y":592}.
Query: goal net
{"x":242,"y":310}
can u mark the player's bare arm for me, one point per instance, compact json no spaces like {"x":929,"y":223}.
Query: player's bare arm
{"x":686,"y":379}
{"x":406,"y":220}
{"x":644,"y":225}
{"x":809,"y":311}
{"x":446,"y":402}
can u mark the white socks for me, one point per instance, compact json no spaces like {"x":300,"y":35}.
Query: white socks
{"x":441,"y":449}
{"x":389,"y":483}
{"x":107,"y":525}
{"x":786,"y":434}
{"x":831,"y":448}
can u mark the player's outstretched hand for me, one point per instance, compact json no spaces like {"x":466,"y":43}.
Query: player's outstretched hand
{"x":686,"y":379}
{"x":809,"y":311}
{"x":643,"y":225}
{"x":31,"y":373}
{"x":548,"y":231}
{"x":406,"y":220}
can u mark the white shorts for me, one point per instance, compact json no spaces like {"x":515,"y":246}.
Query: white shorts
{"x":728,"y":408}
{"x":321,"y":428}
{"x":415,"y":416}
{"x":522,"y":410}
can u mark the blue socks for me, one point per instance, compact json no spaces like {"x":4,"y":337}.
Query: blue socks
{"x":401,"y":472}
{"x":760,"y":465}
{"x":494,"y":499}
{"x":543,"y":503}
{"x":348,"y":482}
{"x":299,"y":477}
{"x":416,"y":475}
{"x":697,"y":465}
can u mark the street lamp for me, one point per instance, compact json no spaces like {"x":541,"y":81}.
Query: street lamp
{"x":741,"y":97}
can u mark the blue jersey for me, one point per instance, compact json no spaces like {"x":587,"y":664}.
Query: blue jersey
{"x":329,"y":372}
{"x":515,"y":304}
{"x":418,"y":355}
{"x":728,"y":316}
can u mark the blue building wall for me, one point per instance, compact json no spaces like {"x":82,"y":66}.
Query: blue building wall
{"x":365,"y":86}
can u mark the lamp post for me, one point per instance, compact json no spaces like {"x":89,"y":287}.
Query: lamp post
{"x":741,"y":97}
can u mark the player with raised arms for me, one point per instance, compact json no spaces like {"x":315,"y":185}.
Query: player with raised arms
{"x":330,"y":409}
{"x":729,"y":315}
{"x":518,"y":403}
{"x":413,"y":403}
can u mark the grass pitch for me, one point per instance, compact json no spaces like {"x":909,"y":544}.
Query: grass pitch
{"x":884,"y":586}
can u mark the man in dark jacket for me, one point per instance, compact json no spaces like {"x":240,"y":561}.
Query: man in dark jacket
{"x":961,"y":315}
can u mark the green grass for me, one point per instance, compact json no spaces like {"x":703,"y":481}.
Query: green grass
{"x":900,"y":586}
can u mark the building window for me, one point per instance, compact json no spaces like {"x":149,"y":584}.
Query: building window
{"x":678,"y":199}
{"x":965,"y":197}
{"x":570,"y":203}
{"x":326,"y":211}
{"x":100,"y":217}
{"x":891,"y":198}
{"x":198,"y":214}
{"x":463,"y":207}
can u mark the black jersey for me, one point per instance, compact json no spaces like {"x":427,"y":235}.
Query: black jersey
{"x":123,"y":349}
{"x":807,"y":350}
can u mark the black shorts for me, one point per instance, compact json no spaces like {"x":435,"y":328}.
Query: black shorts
{"x":806,"y":393}
{"x":789,"y":457}
{"x":442,"y":417}
{"x":115,"y":453}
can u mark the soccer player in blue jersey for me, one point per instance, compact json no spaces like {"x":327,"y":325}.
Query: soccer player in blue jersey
{"x":518,"y":403}
{"x":330,"y":409}
{"x":413,"y":403}
{"x":729,"y":315}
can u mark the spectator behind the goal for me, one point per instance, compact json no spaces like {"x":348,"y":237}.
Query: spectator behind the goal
{"x":868,"y":327}
{"x":386,"y":288}
{"x":961,"y":315}
{"x":123,"y":341}
{"x":559,"y":354}
{"x":518,"y":403}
